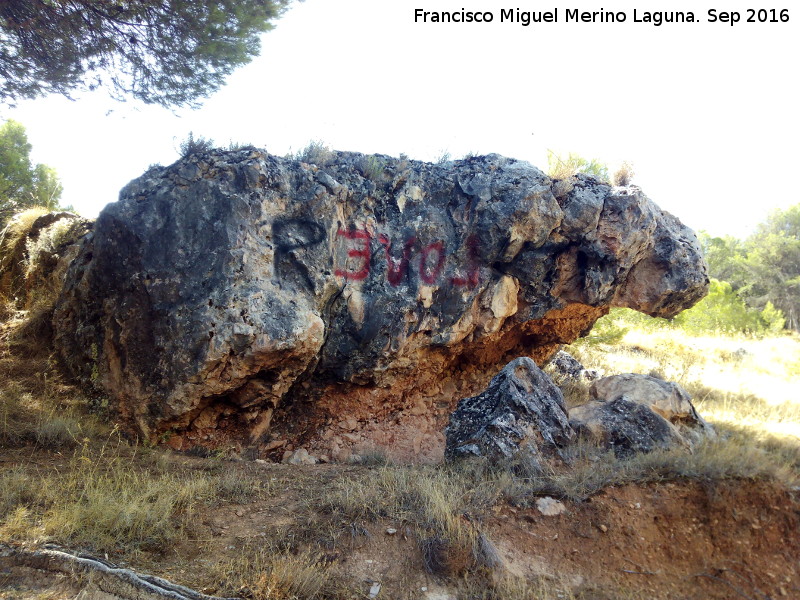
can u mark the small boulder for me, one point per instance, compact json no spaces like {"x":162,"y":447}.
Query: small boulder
{"x":299,"y":457}
{"x":520,"y":409}
{"x":570,"y":367}
{"x":624,"y":427}
{"x":550,"y":507}
{"x":666,"y":398}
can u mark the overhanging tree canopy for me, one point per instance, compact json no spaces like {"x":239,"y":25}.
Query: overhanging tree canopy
{"x":167,"y":52}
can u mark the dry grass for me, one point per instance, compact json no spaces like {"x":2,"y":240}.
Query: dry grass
{"x":267,"y":572}
{"x":100,"y":501}
{"x":740,"y":381}
{"x":745,"y":386}
{"x":17,"y":228}
{"x":623,"y":175}
{"x":48,"y":423}
{"x":440,"y":504}
{"x":317,"y":153}
{"x":509,"y":587}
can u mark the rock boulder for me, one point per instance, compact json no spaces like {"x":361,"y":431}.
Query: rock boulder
{"x":665,"y":398}
{"x":522,"y":409}
{"x":241,"y":297}
{"x":625,"y":427}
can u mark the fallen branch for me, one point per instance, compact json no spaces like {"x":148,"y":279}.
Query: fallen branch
{"x":638,"y":572}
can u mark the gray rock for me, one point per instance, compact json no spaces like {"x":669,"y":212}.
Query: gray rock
{"x":625,"y":427}
{"x":665,"y":398}
{"x":237,"y":293}
{"x":566,"y":365}
{"x":550,"y":507}
{"x":300,"y":457}
{"x":521,"y":409}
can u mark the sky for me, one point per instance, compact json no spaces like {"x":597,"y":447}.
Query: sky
{"x":706,"y":112}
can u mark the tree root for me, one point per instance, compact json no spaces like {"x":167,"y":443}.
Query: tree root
{"x":106,"y":577}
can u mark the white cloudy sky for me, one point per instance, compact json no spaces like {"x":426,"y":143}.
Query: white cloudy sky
{"x":708,"y":113}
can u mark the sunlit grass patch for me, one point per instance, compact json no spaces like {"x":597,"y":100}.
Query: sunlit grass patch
{"x":438,"y":503}
{"x":268,"y":572}
{"x":745,"y":385}
{"x":102,"y":503}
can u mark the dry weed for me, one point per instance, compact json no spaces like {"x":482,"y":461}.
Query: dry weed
{"x":267,"y":572}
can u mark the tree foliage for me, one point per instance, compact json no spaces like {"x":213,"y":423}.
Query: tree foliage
{"x":723,"y":310}
{"x":167,"y":52}
{"x":764,"y":269}
{"x":22,"y":183}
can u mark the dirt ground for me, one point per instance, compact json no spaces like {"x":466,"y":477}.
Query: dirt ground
{"x":675,"y":540}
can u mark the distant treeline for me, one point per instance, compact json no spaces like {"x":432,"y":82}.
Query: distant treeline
{"x":763,"y":270}
{"x":755,"y":287}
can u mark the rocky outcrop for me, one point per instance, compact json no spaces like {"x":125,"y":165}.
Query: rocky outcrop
{"x":238,"y":296}
{"x":521,"y":410}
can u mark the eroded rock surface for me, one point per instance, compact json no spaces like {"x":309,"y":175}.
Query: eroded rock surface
{"x":238,"y":296}
{"x":667,"y":398}
{"x":521,"y":410}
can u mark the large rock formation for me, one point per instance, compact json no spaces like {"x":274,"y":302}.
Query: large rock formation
{"x":244,"y":297}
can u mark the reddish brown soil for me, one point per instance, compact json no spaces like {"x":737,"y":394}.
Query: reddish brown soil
{"x":677,"y":540}
{"x":673,"y":540}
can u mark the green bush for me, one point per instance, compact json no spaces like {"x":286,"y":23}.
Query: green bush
{"x":721,"y":311}
{"x":195,"y":145}
{"x":725,"y":312}
{"x":316,"y":153}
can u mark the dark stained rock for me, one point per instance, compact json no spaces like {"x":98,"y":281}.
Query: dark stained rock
{"x":522,"y":409}
{"x":567,"y":366}
{"x":241,"y":297}
{"x":625,"y":427}
{"x":665,"y":398}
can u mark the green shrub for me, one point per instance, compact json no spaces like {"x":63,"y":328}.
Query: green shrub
{"x":195,"y":145}
{"x":721,"y":311}
{"x":725,"y":312}
{"x":372,"y":168}
{"x":564,"y":167}
{"x":316,"y":153}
